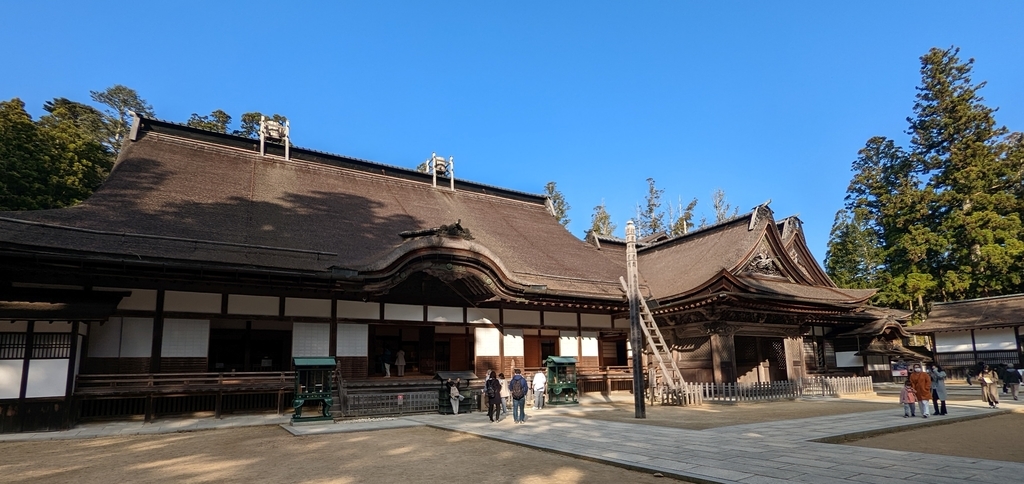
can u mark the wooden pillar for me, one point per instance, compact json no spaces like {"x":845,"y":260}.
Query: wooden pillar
{"x":723,"y":354}
{"x":158,"y":333}
{"x":795,"y":358}
{"x":332,"y":345}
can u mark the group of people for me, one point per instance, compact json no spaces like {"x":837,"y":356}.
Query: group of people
{"x":922,"y":385}
{"x":499,"y":392}
{"x":399,"y":361}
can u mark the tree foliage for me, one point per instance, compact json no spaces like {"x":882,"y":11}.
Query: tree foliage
{"x":943,"y":214}
{"x":650,"y":217}
{"x":681,"y":218}
{"x":50,"y":163}
{"x":723,"y":209}
{"x":120,"y":101}
{"x":601,"y":221}
{"x":558,"y":203}
{"x":217,"y":121}
{"x":250,"y":123}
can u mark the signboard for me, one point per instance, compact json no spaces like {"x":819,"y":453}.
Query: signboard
{"x":899,"y":368}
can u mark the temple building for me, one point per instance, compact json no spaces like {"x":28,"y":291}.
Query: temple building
{"x":204,"y":255}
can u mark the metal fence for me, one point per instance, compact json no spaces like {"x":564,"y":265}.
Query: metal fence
{"x":366,"y":404}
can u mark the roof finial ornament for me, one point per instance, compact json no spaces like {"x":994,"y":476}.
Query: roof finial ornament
{"x":438,"y":166}
{"x":275,"y":131}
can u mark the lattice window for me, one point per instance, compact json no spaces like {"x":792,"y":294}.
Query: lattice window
{"x":810,"y":354}
{"x":693,"y":349}
{"x":12,"y":346}
{"x":51,"y":345}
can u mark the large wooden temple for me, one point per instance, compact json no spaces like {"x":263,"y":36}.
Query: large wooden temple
{"x":208,"y":254}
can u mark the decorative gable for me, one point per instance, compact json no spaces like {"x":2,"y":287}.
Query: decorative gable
{"x":764,"y":262}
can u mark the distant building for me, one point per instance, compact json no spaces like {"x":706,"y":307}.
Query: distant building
{"x":976,"y":330}
{"x":199,"y":258}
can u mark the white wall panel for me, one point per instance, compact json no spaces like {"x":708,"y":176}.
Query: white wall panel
{"x":358,"y":310}
{"x":567,"y":343}
{"x":590,"y":343}
{"x":311,"y":339}
{"x":140,"y":300}
{"x":595,"y":320}
{"x":311,"y":308}
{"x":403,"y":312}
{"x":992,"y":339}
{"x":52,"y":327}
{"x":254,"y":305}
{"x":522,"y":317}
{"x":514,"y":342}
{"x":13,"y":326}
{"x":620,"y":323}
{"x":848,"y":359}
{"x":136,"y":337}
{"x":105,"y":340}
{"x":486,"y":341}
{"x":192,"y":302}
{"x":955,"y":341}
{"x":47,"y":378}
{"x":185,"y":338}
{"x":476,"y":314}
{"x":353,"y":339}
{"x":10,"y":378}
{"x":440,"y":314}
{"x":559,"y":319}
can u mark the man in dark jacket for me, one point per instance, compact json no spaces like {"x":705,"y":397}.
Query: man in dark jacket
{"x":1012,"y":380}
{"x":518,"y":387}
{"x":492,"y":390}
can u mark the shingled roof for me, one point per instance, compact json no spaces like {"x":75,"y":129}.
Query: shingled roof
{"x":184,"y":195}
{"x":989,"y":312}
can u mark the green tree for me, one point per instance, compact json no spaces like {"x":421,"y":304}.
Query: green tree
{"x":120,"y":102}
{"x":558,"y":204}
{"x":854,"y":258}
{"x":650,"y":217}
{"x":216,"y":121}
{"x":722,"y":207}
{"x":601,"y":221}
{"x":682,"y":219}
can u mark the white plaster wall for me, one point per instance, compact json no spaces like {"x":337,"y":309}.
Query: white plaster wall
{"x":475,"y":314}
{"x":620,"y":323}
{"x":13,"y":326}
{"x":403,"y":312}
{"x":52,"y":327}
{"x":192,"y":302}
{"x":559,"y":319}
{"x":848,"y":359}
{"x":136,"y":337}
{"x":358,"y":310}
{"x":994,"y":339}
{"x":254,"y":305}
{"x":10,"y":378}
{"x":311,"y":308}
{"x":47,"y":378}
{"x":487,"y":341}
{"x":185,"y":338}
{"x":590,"y":343}
{"x":353,"y":339}
{"x":311,"y":339}
{"x":595,"y":320}
{"x":567,"y":345}
{"x":441,"y":314}
{"x":955,"y":341}
{"x":140,"y":300}
{"x":105,"y":340}
{"x":522,"y":317}
{"x":514,"y":342}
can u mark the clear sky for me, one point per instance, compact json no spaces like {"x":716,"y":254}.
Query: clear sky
{"x":765,"y":100}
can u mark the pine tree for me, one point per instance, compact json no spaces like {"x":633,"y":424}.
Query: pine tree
{"x":558,"y":203}
{"x":650,"y":217}
{"x":601,"y":221}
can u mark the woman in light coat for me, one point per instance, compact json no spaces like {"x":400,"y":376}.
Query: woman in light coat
{"x":938,"y":389}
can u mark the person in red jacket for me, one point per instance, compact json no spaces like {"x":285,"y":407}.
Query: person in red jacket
{"x":922,"y":384}
{"x":908,"y":398}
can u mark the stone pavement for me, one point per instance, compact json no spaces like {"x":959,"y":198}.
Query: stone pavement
{"x":778,"y":451}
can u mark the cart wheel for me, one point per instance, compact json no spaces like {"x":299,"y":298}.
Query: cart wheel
{"x":558,"y":391}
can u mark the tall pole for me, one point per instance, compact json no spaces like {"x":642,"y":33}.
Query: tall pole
{"x":636,"y":338}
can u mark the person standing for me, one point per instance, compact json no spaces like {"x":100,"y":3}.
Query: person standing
{"x":400,"y":362}
{"x":938,"y":389}
{"x":1013,"y":380}
{"x":517,"y":388}
{"x":922,"y":384}
{"x":454,"y":394}
{"x":908,"y":398}
{"x":493,"y":392}
{"x":386,"y":360}
{"x":989,"y":386}
{"x":504,"y":393}
{"x":539,"y":382}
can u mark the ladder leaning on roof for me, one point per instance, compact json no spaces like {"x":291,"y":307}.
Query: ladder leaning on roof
{"x":674,"y":390}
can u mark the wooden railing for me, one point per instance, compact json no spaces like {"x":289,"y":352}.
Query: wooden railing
{"x":782,"y":390}
{"x":162,"y":383}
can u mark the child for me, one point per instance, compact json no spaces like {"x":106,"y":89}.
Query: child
{"x":908,"y":398}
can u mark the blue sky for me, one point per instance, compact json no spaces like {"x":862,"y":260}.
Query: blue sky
{"x":765,"y":100}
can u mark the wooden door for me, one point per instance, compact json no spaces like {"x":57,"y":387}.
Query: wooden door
{"x":531,"y":351}
{"x":459,"y":354}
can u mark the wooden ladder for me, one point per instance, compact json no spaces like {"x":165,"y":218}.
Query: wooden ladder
{"x":671,"y":377}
